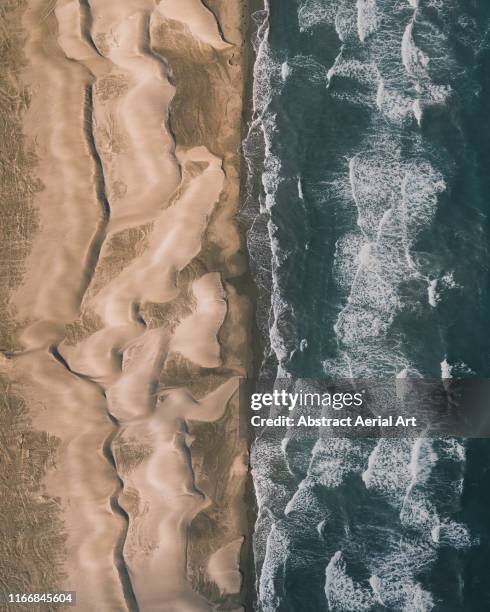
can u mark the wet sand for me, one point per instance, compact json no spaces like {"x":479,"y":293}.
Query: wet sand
{"x":126,"y":320}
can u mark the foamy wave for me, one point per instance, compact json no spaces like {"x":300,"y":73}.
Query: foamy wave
{"x":333,"y":459}
{"x":388,"y":468}
{"x":346,"y":261}
{"x":272,"y":169}
{"x":315,"y":12}
{"x":364,"y":72}
{"x":268,"y":461}
{"x":346,"y":21}
{"x":271,"y":583}
{"x":285,"y":70}
{"x":453,"y":449}
{"x":306,"y":503}
{"x":341,"y":591}
{"x":267,"y":69}
{"x":396,"y":106}
{"x":436,"y":287}
{"x":446,"y":369}
{"x":450,"y":533}
{"x":409,"y":596}
{"x":395,"y":200}
{"x":367,"y":19}
{"x":414,"y":60}
{"x":393,"y":577}
{"x":432,"y":294}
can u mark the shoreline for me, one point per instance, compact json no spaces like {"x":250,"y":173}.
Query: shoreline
{"x":242,"y":283}
{"x":247,"y":558}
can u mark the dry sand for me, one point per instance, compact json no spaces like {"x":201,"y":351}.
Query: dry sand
{"x":125,"y":319}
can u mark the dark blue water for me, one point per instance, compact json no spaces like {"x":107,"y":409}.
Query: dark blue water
{"x":370,"y":145}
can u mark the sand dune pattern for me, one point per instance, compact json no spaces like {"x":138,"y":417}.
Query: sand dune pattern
{"x":127,"y":325}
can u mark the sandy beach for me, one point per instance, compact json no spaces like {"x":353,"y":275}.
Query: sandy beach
{"x":126,"y":320}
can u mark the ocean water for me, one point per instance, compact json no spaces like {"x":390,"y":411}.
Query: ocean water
{"x":369,"y":158}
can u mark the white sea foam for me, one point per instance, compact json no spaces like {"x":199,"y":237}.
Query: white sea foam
{"x":393,"y":578}
{"x":367,"y":21}
{"x":388,"y":469}
{"x":446,"y":369}
{"x":285,"y":71}
{"x":267,"y":460}
{"x":270,"y":176}
{"x":346,"y":258}
{"x":435,"y":533}
{"x":451,"y":533}
{"x":341,"y":591}
{"x":453,"y":449}
{"x":364,"y":72}
{"x":375,"y":583}
{"x":312,"y":13}
{"x":422,"y":460}
{"x":414,"y":60}
{"x":267,"y":70}
{"x":417,"y":111}
{"x":437,"y":286}
{"x":271,"y":583}
{"x":346,"y":21}
{"x":448,"y":281}
{"x":332,"y":460}
{"x":432,"y":292}
{"x":306,"y":503}
{"x":418,"y":512}
{"x":394,"y":105}
{"x":300,"y":188}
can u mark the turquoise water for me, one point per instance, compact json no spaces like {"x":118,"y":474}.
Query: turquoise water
{"x":369,"y":155}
